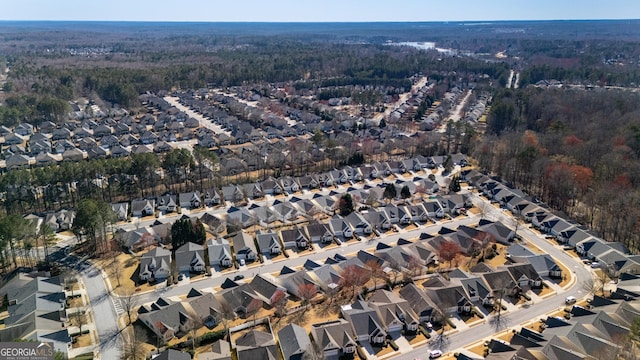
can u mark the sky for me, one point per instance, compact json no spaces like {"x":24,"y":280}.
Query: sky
{"x":317,"y":11}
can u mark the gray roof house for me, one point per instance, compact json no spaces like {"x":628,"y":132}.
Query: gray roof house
{"x":365,"y":324}
{"x":257,"y":344}
{"x":220,"y":350}
{"x":143,"y":207}
{"x":269,"y":243}
{"x":294,"y":341}
{"x":190,"y":257}
{"x":155,"y":263}
{"x":334,"y":338}
{"x":121,"y":210}
{"x":294,"y":238}
{"x":219,"y":252}
{"x":190,"y":200}
{"x":244,"y":247}
{"x":266,"y":288}
{"x":319,"y":232}
{"x":394,"y":312}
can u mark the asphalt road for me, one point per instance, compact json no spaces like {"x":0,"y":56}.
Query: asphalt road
{"x":104,"y":313}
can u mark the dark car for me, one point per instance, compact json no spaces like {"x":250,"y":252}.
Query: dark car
{"x":238,"y":277}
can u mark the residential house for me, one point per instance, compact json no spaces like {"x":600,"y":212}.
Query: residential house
{"x":220,"y":350}
{"x":121,"y":210}
{"x":477,"y":289}
{"x":266,"y":288}
{"x":190,"y":200}
{"x":256,"y":344}
{"x":244,"y":247}
{"x":319,"y":233}
{"x":453,"y":298}
{"x":240,"y":216}
{"x":238,"y":298}
{"x":36,"y":311}
{"x":214,"y":223}
{"x":334,"y":338}
{"x":143,"y":207}
{"x":339,"y":227}
{"x":167,"y":203}
{"x":364,"y":321}
{"x":294,"y":341}
{"x":211,"y":197}
{"x":155,"y":264}
{"x":501,"y":282}
{"x":17,"y":162}
{"x":394,"y":312}
{"x":137,"y":239}
{"x":289,"y":184}
{"x":168,"y":320}
{"x":417,"y":213}
{"x":434,"y":209}
{"x":294,"y":238}
{"x":219,"y":252}
{"x":359,"y":225}
{"x":269,"y":243}
{"x":271,"y":186}
{"x":170,"y":354}
{"x":190,"y":257}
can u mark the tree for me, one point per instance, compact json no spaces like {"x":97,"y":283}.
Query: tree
{"x":133,"y":344}
{"x":91,"y":221}
{"x":405,"y":193}
{"x":226,"y":314}
{"x":279,"y":302}
{"x":375,"y":269}
{"x":129,"y":302}
{"x":306,"y":292}
{"x":448,"y":164}
{"x":184,"y":230}
{"x":313,"y":352}
{"x":383,"y":123}
{"x":353,"y":277}
{"x":448,"y":251}
{"x":389,"y":192}
{"x":346,"y":204}
{"x":254,"y":306}
{"x":454,"y":185}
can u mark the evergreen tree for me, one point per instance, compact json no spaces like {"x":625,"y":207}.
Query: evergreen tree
{"x":454,"y":186}
{"x":346,"y":205}
{"x":389,"y":192}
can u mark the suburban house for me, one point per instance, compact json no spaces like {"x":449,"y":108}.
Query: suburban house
{"x":170,"y":354}
{"x":190,"y":257}
{"x":136,"y":240}
{"x":219,"y":252}
{"x":269,"y":243}
{"x":143,"y":207}
{"x":190,"y":200}
{"x":220,"y":350}
{"x":319,"y":233}
{"x":266,"y":288}
{"x":294,"y":238}
{"x":214,"y":223}
{"x":434,"y":209}
{"x":166,"y":319}
{"x":294,"y":341}
{"x":244,"y":247}
{"x":364,"y":321}
{"x":359,"y":225}
{"x":36,"y":311}
{"x":476,"y":288}
{"x":155,"y":264}
{"x":452,"y":298}
{"x":211,"y":197}
{"x":340,"y":227}
{"x":257,"y":344}
{"x":238,"y":298}
{"x":334,"y":337}
{"x":121,"y":210}
{"x":167,"y":203}
{"x":394,"y":312}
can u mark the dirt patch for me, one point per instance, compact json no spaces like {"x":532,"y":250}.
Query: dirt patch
{"x":76,"y":302}
{"x":82,"y":341}
{"x":415,"y":339}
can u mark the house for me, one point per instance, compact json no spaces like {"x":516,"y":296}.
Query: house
{"x":190,"y":257}
{"x":244,"y":247}
{"x":543,"y":264}
{"x":434,"y":209}
{"x":294,"y":238}
{"x":294,"y":341}
{"x":143,"y":207}
{"x":238,"y":298}
{"x":60,"y":220}
{"x":232,"y":193}
{"x":36,"y":311}
{"x":319,"y":233}
{"x":417,"y":213}
{"x":340,"y":228}
{"x":170,"y":354}
{"x":268,"y":243}
{"x":219,"y":252}
{"x":155,"y":264}
{"x":334,"y":338}
{"x":167,"y":203}
{"x":289,"y":184}
{"x":364,"y":321}
{"x":378,"y":220}
{"x":17,"y":162}
{"x":453,"y":298}
{"x":240,"y":216}
{"x":271,"y":186}
{"x":477,"y":289}
{"x":220,"y":350}
{"x":266,"y":288}
{"x":121,"y":210}
{"x":23,"y":129}
{"x":359,"y":225}
{"x":394,"y":312}
{"x":168,"y":320}
{"x":190,"y":200}
{"x":501,"y":282}
{"x":211,"y":197}
{"x":256,"y":344}
{"x":214,"y":223}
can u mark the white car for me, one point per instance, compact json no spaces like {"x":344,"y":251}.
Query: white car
{"x":570,"y":300}
{"x":435,"y":354}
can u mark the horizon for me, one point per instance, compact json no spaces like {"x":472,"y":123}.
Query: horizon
{"x":330,"y":11}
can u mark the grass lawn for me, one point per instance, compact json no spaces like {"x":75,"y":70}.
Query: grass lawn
{"x":126,"y":265}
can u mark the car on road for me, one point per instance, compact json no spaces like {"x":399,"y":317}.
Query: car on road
{"x":238,"y":277}
{"x":570,"y":300}
{"x":595,"y":265}
{"x":242,"y":262}
{"x":180,"y":277}
{"x":433,"y":354}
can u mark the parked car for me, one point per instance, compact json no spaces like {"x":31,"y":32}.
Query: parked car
{"x":435,"y":354}
{"x":180,"y":277}
{"x":570,"y":300}
{"x":595,"y":265}
{"x":242,"y":262}
{"x":238,"y":277}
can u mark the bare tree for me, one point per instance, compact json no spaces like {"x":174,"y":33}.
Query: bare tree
{"x":307,"y":292}
{"x":441,"y":315}
{"x":375,"y":269}
{"x":129,"y":302}
{"x":279,"y":302}
{"x":132,"y":344}
{"x":254,"y":306}
{"x":415,"y":266}
{"x":353,"y":277}
{"x":114,"y":265}
{"x":226,"y":314}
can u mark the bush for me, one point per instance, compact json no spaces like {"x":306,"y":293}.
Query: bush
{"x":210,"y":337}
